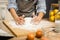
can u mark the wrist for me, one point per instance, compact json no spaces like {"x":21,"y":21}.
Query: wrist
{"x":16,"y":18}
{"x":40,"y":15}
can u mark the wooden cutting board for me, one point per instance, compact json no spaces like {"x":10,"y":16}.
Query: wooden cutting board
{"x":17,"y":31}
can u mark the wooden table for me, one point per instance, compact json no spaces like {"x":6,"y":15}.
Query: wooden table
{"x":50,"y":34}
{"x":3,"y":27}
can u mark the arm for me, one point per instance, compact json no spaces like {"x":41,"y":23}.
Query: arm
{"x":13,"y":13}
{"x":41,"y":8}
{"x":12,"y":8}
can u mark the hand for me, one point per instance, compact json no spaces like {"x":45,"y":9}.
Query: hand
{"x":20,"y":20}
{"x":36,"y":20}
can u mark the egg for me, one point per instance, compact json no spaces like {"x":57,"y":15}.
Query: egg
{"x":39,"y":33}
{"x":44,"y":38}
{"x":30,"y":36}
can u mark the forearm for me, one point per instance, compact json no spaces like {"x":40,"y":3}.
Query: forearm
{"x":19,"y":20}
{"x":40,"y":15}
{"x":41,"y":7}
{"x":13,"y":13}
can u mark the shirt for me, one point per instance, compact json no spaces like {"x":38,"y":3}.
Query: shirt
{"x":41,"y":5}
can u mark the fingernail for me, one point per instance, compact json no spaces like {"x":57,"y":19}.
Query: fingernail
{"x":23,"y":16}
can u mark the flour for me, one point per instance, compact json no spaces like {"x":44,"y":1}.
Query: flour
{"x":28,"y":25}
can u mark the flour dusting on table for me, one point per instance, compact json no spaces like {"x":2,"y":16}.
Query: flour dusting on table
{"x":30,"y":26}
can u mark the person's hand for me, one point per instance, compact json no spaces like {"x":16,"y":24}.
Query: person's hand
{"x":20,"y":20}
{"x":36,"y":20}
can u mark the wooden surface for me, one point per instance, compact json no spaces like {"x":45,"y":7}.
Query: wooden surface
{"x":3,"y":27}
{"x":55,"y":5}
{"x":14,"y":31}
{"x":23,"y":32}
{"x":50,"y":34}
{"x":23,"y":38}
{"x":17,"y":32}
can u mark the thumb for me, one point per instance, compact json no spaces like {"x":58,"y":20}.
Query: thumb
{"x":23,"y":16}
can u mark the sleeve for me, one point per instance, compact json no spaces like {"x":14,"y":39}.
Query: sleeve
{"x":41,"y":6}
{"x":12,"y":4}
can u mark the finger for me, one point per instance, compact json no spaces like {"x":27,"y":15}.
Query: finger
{"x":33,"y":14}
{"x":17,"y":23}
{"x":23,"y":16}
{"x":21,"y":22}
{"x":34,"y":20}
{"x":20,"y":18}
{"x":36,"y":23}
